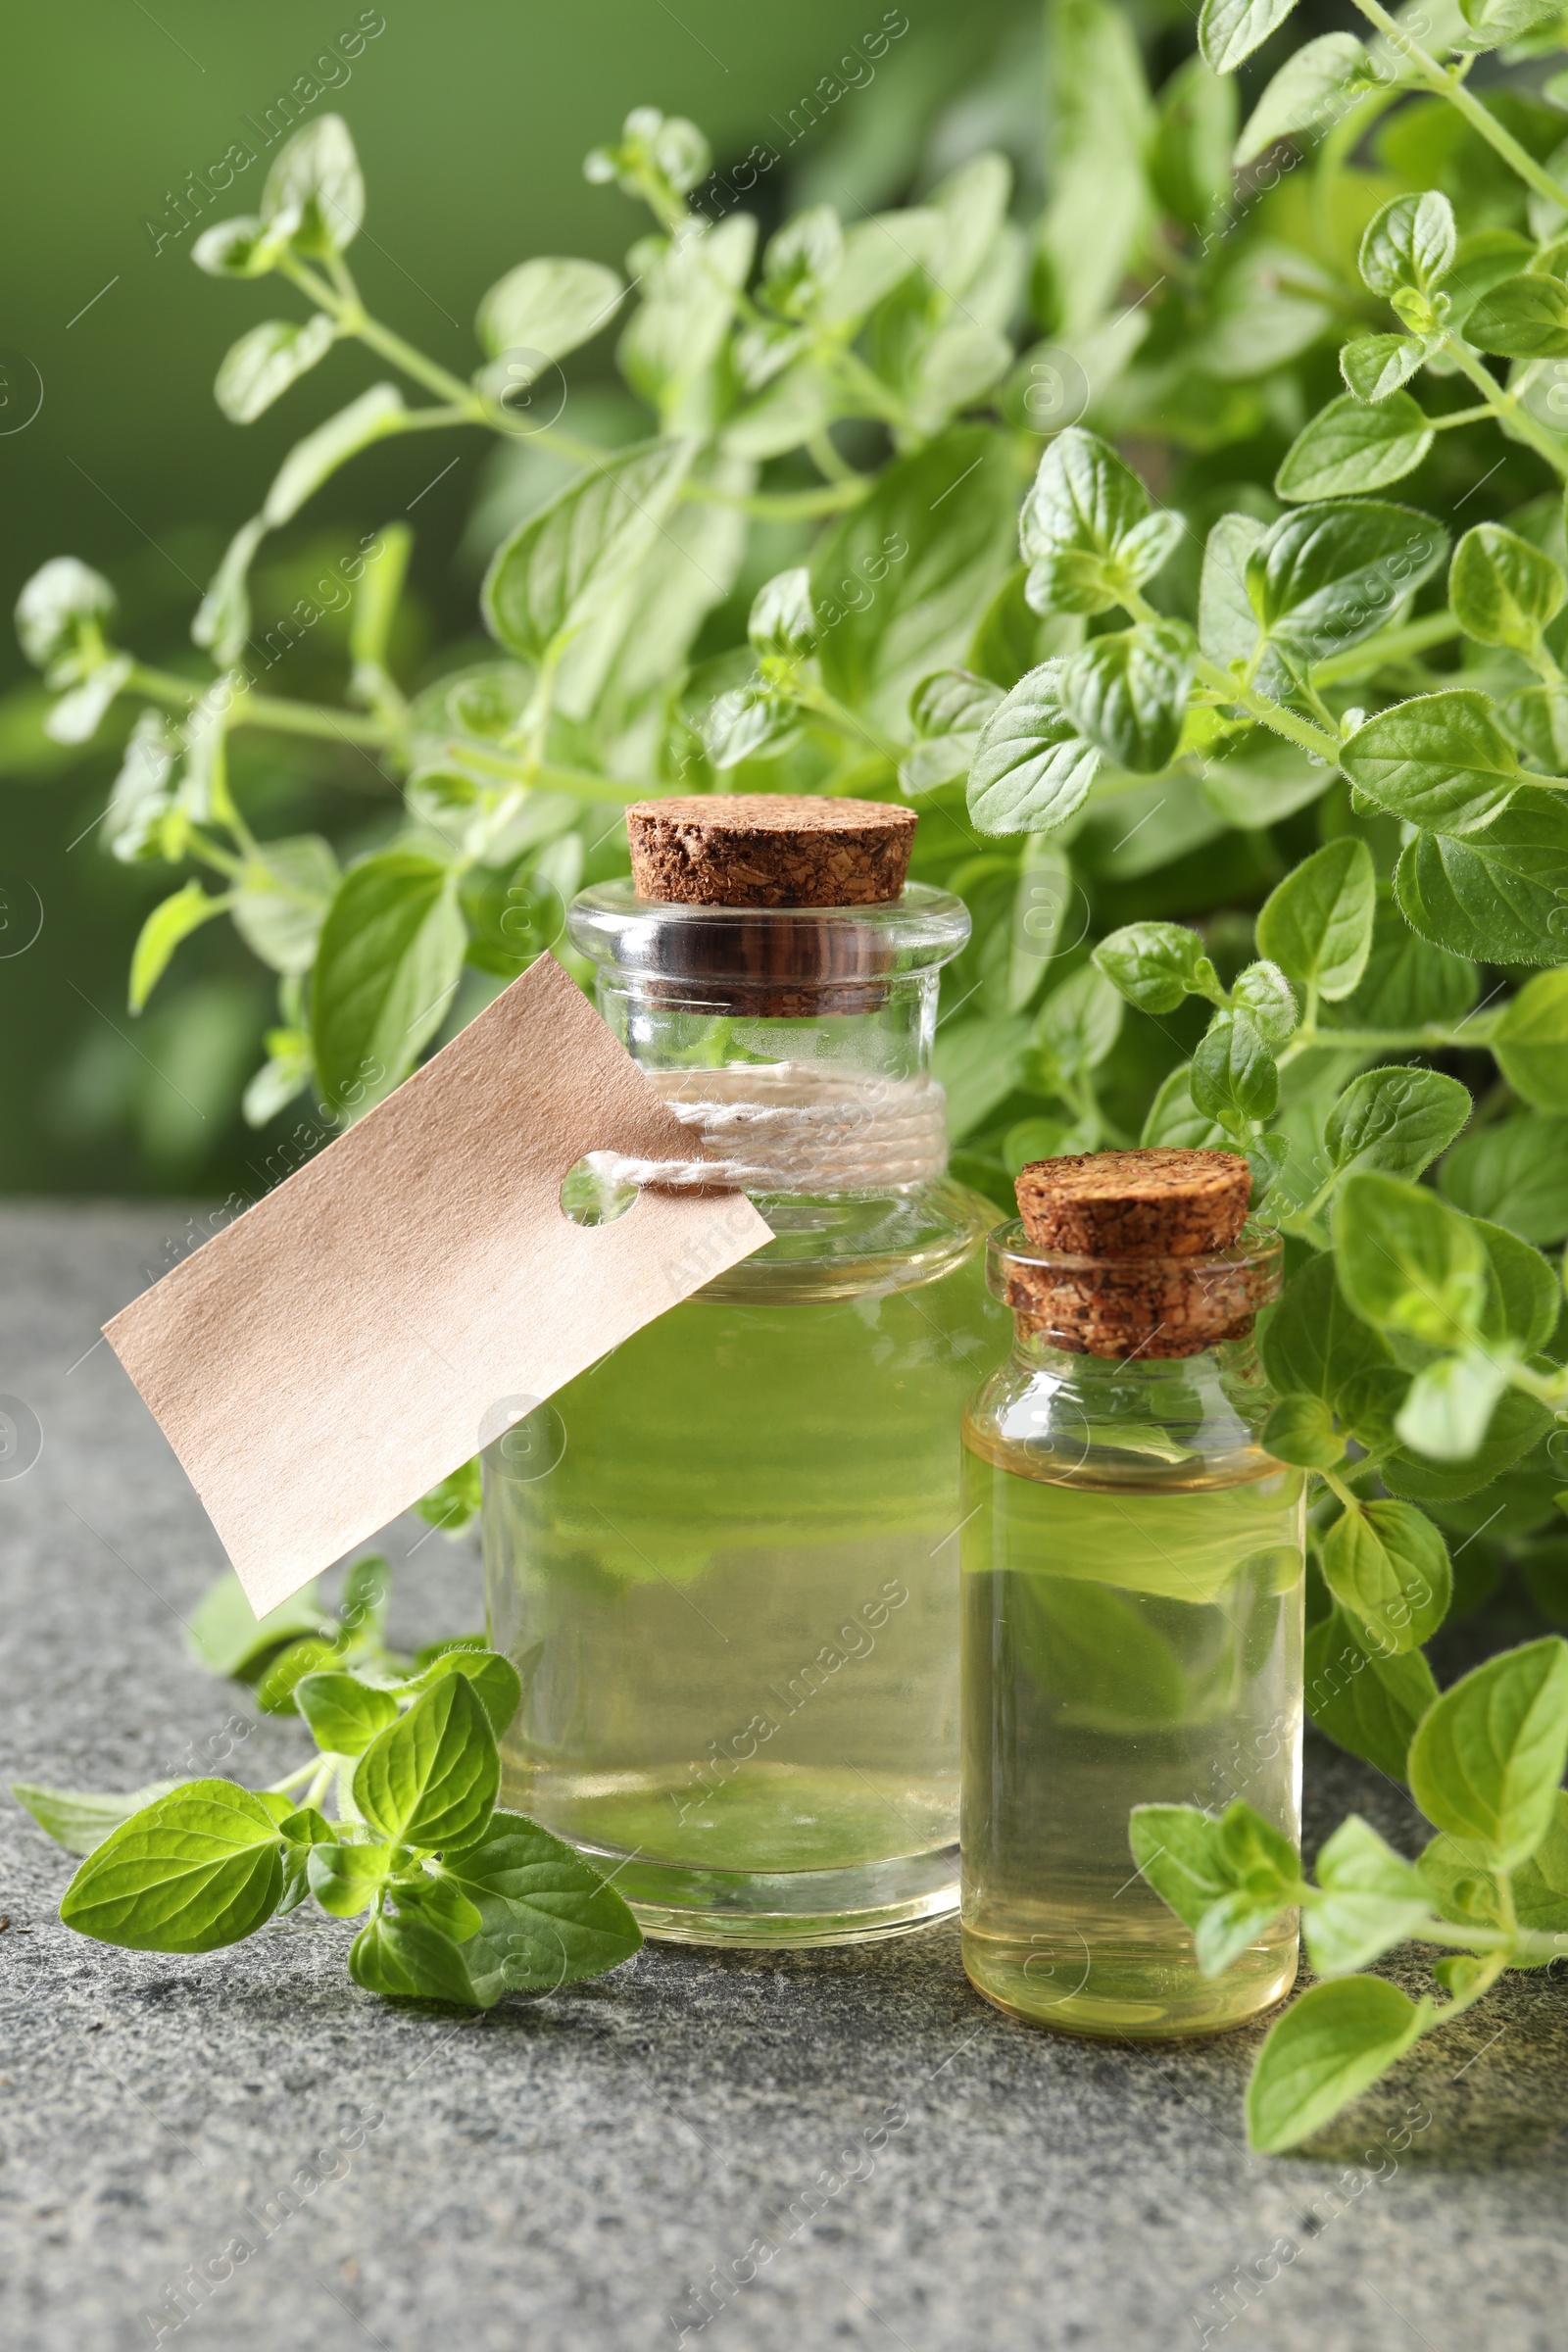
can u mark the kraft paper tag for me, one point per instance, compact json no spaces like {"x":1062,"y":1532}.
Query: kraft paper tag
{"x":416,"y":1288}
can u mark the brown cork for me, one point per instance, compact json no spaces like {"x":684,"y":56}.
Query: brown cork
{"x":761,"y":849}
{"x":1140,"y":1252}
{"x":1160,"y":1203}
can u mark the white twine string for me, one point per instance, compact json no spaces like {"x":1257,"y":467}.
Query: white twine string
{"x":789,"y":1127}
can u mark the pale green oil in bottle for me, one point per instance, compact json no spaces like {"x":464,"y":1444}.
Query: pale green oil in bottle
{"x":726,"y":1562}
{"x":1125,"y":1642}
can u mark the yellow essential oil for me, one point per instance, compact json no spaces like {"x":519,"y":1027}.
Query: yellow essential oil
{"x":1132,"y":1630}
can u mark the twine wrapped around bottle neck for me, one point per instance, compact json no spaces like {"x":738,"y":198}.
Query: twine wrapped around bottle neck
{"x":792,"y":1127}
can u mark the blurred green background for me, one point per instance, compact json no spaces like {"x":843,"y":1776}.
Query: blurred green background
{"x":471,"y":121}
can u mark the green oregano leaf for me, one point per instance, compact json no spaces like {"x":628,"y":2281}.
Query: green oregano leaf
{"x":1351,"y":447}
{"x":193,"y":1871}
{"x":547,"y":307}
{"x":1233,"y":1075}
{"x":492,"y":1678}
{"x":1329,"y":2046}
{"x":1396,"y":1120}
{"x":1032,"y":766}
{"x":80,"y":1821}
{"x":1372,"y":1899}
{"x":546,"y":580}
{"x":1300,"y":1430}
{"x":1087,"y":530}
{"x":1503,"y":590}
{"x":1307,"y":94}
{"x":263,"y":365}
{"x":1127,"y":693}
{"x":344,"y":1714}
{"x":389,"y":958}
{"x":1525,"y":317}
{"x":1317,"y":924}
{"x":1325,"y":578}
{"x":1530,"y":1041}
{"x":1314,"y":1341}
{"x":1439,"y":760}
{"x":1229,"y":31}
{"x":315,"y":187}
{"x":1413,"y":242}
{"x":1154,"y":965}
{"x":1486,"y":1762}
{"x":1408,"y":1262}
{"x":431,"y":1779}
{"x":345,"y":1879}
{"x":1375,"y":366}
{"x":1388,"y":1567}
{"x":1501,"y":894}
{"x":544,"y":1911}
{"x":1363,"y":1694}
{"x":409,"y":1958}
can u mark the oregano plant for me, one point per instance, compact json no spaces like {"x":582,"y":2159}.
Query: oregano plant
{"x":460,"y":1900}
{"x":1189,"y":548}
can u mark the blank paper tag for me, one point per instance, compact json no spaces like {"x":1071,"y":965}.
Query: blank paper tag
{"x":416,"y":1288}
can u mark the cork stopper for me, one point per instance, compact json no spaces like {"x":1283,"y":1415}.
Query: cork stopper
{"x":1137,"y":1252}
{"x":1160,"y":1203}
{"x":761,"y":849}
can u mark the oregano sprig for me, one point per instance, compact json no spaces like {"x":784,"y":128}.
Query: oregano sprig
{"x":1488,"y":1893}
{"x":394,"y":1822}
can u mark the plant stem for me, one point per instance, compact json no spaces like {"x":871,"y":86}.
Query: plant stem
{"x":1431,"y":1038}
{"x":878,"y":399}
{"x":1245,"y":697}
{"x":1289,"y":723}
{"x":1486,"y":125}
{"x":825,"y":458}
{"x":1337,"y":1486}
{"x":783,"y":505}
{"x":263,"y":709}
{"x":1507,"y":408}
{"x":1390,"y":644}
{"x":471,"y":407}
{"x":848,"y":722}
{"x":544,"y":778}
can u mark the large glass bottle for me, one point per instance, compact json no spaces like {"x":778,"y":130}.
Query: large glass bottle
{"x":726,"y":1559}
{"x":1132,"y":1566}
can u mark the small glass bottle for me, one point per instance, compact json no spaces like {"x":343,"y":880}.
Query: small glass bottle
{"x":725,"y":1559}
{"x":1133,"y":1577}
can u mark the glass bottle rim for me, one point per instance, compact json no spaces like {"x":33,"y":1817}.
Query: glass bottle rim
{"x":916,"y":932}
{"x":1257,"y":1244}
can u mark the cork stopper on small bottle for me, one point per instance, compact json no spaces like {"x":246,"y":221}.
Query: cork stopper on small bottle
{"x":761,"y":849}
{"x":1141,"y":1253}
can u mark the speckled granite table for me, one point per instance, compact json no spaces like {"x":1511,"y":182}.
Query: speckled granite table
{"x":863,"y":2151}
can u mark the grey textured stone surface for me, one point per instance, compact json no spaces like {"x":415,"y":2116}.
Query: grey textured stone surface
{"x":567,"y":2172}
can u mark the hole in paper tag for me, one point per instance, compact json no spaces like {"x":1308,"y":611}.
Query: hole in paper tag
{"x":588,"y":1199}
{"x":527,"y":1436}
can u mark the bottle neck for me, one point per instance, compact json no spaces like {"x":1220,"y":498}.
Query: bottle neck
{"x":1218,"y":1398}
{"x":890,"y":1039}
{"x":850,"y":990}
